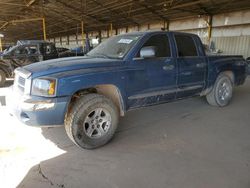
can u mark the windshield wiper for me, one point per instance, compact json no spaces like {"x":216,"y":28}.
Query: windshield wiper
{"x":99,"y":55}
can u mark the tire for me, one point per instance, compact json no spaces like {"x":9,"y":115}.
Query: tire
{"x":222,"y":92}
{"x":2,"y":78}
{"x":92,"y":121}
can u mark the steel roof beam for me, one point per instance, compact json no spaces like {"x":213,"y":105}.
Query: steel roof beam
{"x":143,"y":4}
{"x":80,"y":11}
{"x":113,"y":12}
{"x":29,"y":3}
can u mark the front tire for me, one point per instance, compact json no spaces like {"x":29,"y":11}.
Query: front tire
{"x":2,"y":78}
{"x":222,"y":92}
{"x":92,"y":121}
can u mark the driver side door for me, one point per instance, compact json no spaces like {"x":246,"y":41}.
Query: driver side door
{"x":157,"y":79}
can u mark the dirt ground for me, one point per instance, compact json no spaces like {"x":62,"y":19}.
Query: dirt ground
{"x":182,"y":144}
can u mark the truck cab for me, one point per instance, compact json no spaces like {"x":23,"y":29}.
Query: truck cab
{"x":170,"y":62}
{"x":130,"y":71}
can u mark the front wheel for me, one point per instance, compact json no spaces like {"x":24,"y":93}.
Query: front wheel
{"x":222,"y":92}
{"x":92,"y":121}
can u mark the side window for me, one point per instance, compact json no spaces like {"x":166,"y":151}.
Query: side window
{"x":161,"y":43}
{"x":185,"y":46}
{"x":32,"y":50}
{"x":21,"y":51}
{"x":48,"y":49}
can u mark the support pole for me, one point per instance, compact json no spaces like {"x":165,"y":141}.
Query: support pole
{"x":82,"y":30}
{"x":44,"y":29}
{"x":111,"y":29}
{"x":166,"y":25}
{"x":210,"y":22}
{"x":100,"y":36}
{"x":1,"y":46}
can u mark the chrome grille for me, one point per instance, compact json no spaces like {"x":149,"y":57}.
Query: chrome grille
{"x":22,"y":81}
{"x":19,"y":83}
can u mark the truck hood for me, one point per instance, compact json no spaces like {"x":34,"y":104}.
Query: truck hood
{"x":69,"y":64}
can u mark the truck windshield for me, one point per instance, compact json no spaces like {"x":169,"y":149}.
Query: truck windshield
{"x":116,"y":47}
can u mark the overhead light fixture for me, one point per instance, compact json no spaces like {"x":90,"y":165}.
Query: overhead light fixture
{"x":1,"y":35}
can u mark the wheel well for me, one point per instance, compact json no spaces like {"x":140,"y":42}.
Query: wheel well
{"x":231,"y":75}
{"x":108,"y":90}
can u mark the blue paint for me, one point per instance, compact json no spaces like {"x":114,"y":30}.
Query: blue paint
{"x":141,"y":82}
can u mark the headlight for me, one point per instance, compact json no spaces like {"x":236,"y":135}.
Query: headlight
{"x":44,"y":87}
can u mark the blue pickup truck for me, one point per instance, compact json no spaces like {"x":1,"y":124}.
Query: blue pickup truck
{"x":129,"y":71}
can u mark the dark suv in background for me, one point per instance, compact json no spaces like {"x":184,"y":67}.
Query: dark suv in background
{"x":24,"y":53}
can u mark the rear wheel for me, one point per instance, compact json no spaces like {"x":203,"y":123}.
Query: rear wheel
{"x":2,"y":78}
{"x":92,"y":121}
{"x":222,"y":92}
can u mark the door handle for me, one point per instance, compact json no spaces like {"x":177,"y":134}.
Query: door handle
{"x":168,"y":67}
{"x":200,"y":65}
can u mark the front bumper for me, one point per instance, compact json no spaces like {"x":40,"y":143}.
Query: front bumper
{"x":37,"y":111}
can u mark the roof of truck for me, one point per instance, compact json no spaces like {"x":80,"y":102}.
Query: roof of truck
{"x":156,"y":31}
{"x":22,"y":42}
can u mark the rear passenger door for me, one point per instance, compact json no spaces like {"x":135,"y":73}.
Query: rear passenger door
{"x":192,"y":66}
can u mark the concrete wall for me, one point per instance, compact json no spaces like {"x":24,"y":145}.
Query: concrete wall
{"x":230,"y":31}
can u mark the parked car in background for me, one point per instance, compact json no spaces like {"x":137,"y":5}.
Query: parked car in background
{"x":24,"y":53}
{"x":248,"y":62}
{"x":125,"y":72}
{"x":61,"y":49}
{"x":78,"y":51}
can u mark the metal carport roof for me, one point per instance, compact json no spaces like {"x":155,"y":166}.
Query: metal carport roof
{"x":65,"y":16}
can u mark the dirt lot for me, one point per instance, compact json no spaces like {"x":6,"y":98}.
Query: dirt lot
{"x":182,"y":144}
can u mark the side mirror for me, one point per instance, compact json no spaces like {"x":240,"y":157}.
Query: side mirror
{"x":248,"y":59}
{"x":148,"y":52}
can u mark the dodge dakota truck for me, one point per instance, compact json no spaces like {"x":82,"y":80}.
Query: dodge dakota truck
{"x":129,"y":71}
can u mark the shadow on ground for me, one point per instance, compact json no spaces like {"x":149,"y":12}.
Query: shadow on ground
{"x":182,"y":144}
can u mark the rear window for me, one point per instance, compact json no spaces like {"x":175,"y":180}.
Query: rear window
{"x":185,"y":46}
